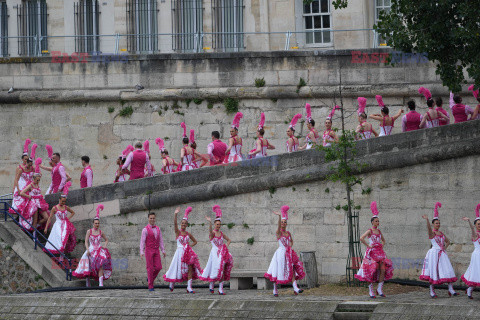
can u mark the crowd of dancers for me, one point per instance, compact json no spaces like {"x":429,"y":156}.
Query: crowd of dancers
{"x":134,"y":163}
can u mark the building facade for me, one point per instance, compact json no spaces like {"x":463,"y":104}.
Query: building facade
{"x":38,"y":27}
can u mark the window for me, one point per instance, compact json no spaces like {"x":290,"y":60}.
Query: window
{"x":142,"y":26}
{"x":381,"y":5}
{"x":3,"y":29}
{"x":32,"y":27}
{"x":317,"y":19}
{"x":187,"y":17}
{"x":228,"y":24}
{"x":86,"y":26}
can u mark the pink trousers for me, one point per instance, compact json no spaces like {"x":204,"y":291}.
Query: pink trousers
{"x":154,"y":265}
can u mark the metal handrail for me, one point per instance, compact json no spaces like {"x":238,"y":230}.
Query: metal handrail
{"x":34,"y":236}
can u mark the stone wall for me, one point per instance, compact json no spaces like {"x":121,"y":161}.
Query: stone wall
{"x":16,"y":275}
{"x":406,"y":175}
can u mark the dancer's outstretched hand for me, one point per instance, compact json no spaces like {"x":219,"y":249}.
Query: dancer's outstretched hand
{"x":208,"y":219}
{"x":425,"y":217}
{"x":177,"y":210}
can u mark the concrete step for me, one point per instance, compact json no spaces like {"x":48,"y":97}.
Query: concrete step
{"x":39,"y":261}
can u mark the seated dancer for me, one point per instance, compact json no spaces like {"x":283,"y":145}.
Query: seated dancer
{"x":187,"y":154}
{"x":122,"y":174}
{"x":23,"y":175}
{"x":476,"y":112}
{"x":220,"y":261}
{"x":329,"y":135}
{"x":150,"y":243}
{"x":432,"y":117}
{"x":137,"y":160}
{"x":471,"y":277}
{"x":234,"y":150}
{"x":386,"y":122}
{"x":96,"y":262}
{"x":285,"y":266}
{"x":62,"y":238}
{"x":411,"y":121}
{"x":292,"y":142}
{"x":376,"y":267}
{"x":59,"y":176}
{"x":184,"y":265}
{"x":261,"y":144}
{"x":200,"y":159}
{"x":437,"y":268}
{"x":364,"y":129}
{"x":312,"y":137}
{"x":146,"y":148}
{"x":86,"y":177}
{"x":460,"y":111}
{"x":33,"y":203}
{"x":439,"y":109}
{"x":168,"y":164}
{"x":216,"y":149}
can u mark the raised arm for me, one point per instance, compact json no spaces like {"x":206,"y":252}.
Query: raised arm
{"x":377,"y":117}
{"x":279,"y":222}
{"x":175,"y":224}
{"x":210,"y":228}
{"x":399,"y":113}
{"x":429,"y":227}
{"x":46,"y":168}
{"x":472,"y":228}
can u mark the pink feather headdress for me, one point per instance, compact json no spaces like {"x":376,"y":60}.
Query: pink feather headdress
{"x":477,"y":212}
{"x":34,"y":150}
{"x":426,"y":93}
{"x":330,"y":115}
{"x":187,"y":212}
{"x":192,"y":136}
{"x":474,"y":92}
{"x":236,"y":120}
{"x":38,"y":162}
{"x":146,"y":146}
{"x":294,"y":121}
{"x":65,"y":189}
{"x":160,"y":144}
{"x":308,"y":112}
{"x":49,"y":151}
{"x":262,"y":121}
{"x":25,"y":146}
{"x":184,"y":129}
{"x":435,"y":211}
{"x":373,"y":207}
{"x":99,"y":208}
{"x":362,"y":104}
{"x":218,"y":212}
{"x":284,"y":211}
{"x":380,"y":101}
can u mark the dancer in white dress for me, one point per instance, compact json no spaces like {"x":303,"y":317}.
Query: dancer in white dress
{"x":146,"y":148}
{"x":96,"y":262}
{"x":285,"y":266}
{"x":471,"y":277}
{"x":187,"y":153}
{"x":220,"y":261}
{"x":184,"y":265}
{"x":234,"y":150}
{"x":23,"y":175}
{"x":168,"y":164}
{"x":432,"y":117}
{"x":386,"y":122}
{"x":329,"y":135}
{"x":364,"y":129}
{"x":375,"y":265}
{"x":200,"y":159}
{"x":313,"y":136}
{"x":62,"y":238}
{"x":262,"y":144}
{"x":292,"y":142}
{"x":437,"y":268}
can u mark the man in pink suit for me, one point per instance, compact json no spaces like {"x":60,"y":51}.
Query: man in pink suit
{"x":411,"y":121}
{"x":150,"y":243}
{"x":59,"y":176}
{"x":216,"y":149}
{"x":137,"y":160}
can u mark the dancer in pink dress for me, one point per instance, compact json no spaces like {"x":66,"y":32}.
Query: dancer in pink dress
{"x":62,"y":238}
{"x":234,"y":150}
{"x":123,"y":174}
{"x":432,"y":117}
{"x":262,"y":144}
{"x":313,"y":136}
{"x":96,"y":262}
{"x":146,"y":148}
{"x":285,"y":266}
{"x":137,"y":160}
{"x":386,"y":122}
{"x":437,"y":268}
{"x":364,"y":129}
{"x":292,"y":142}
{"x":220,"y":261}
{"x":33,"y":203}
{"x":150,"y":243}
{"x":200,"y":159}
{"x":376,"y":267}
{"x":23,"y":176}
{"x":184,"y":265}
{"x":168,"y":164}
{"x":86,"y":177}
{"x":439,"y":109}
{"x":329,"y":136}
{"x":187,"y":154}
{"x":476,"y":94}
{"x":471,"y":277}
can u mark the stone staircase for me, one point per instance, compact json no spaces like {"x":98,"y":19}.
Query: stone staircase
{"x":40,"y":262}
